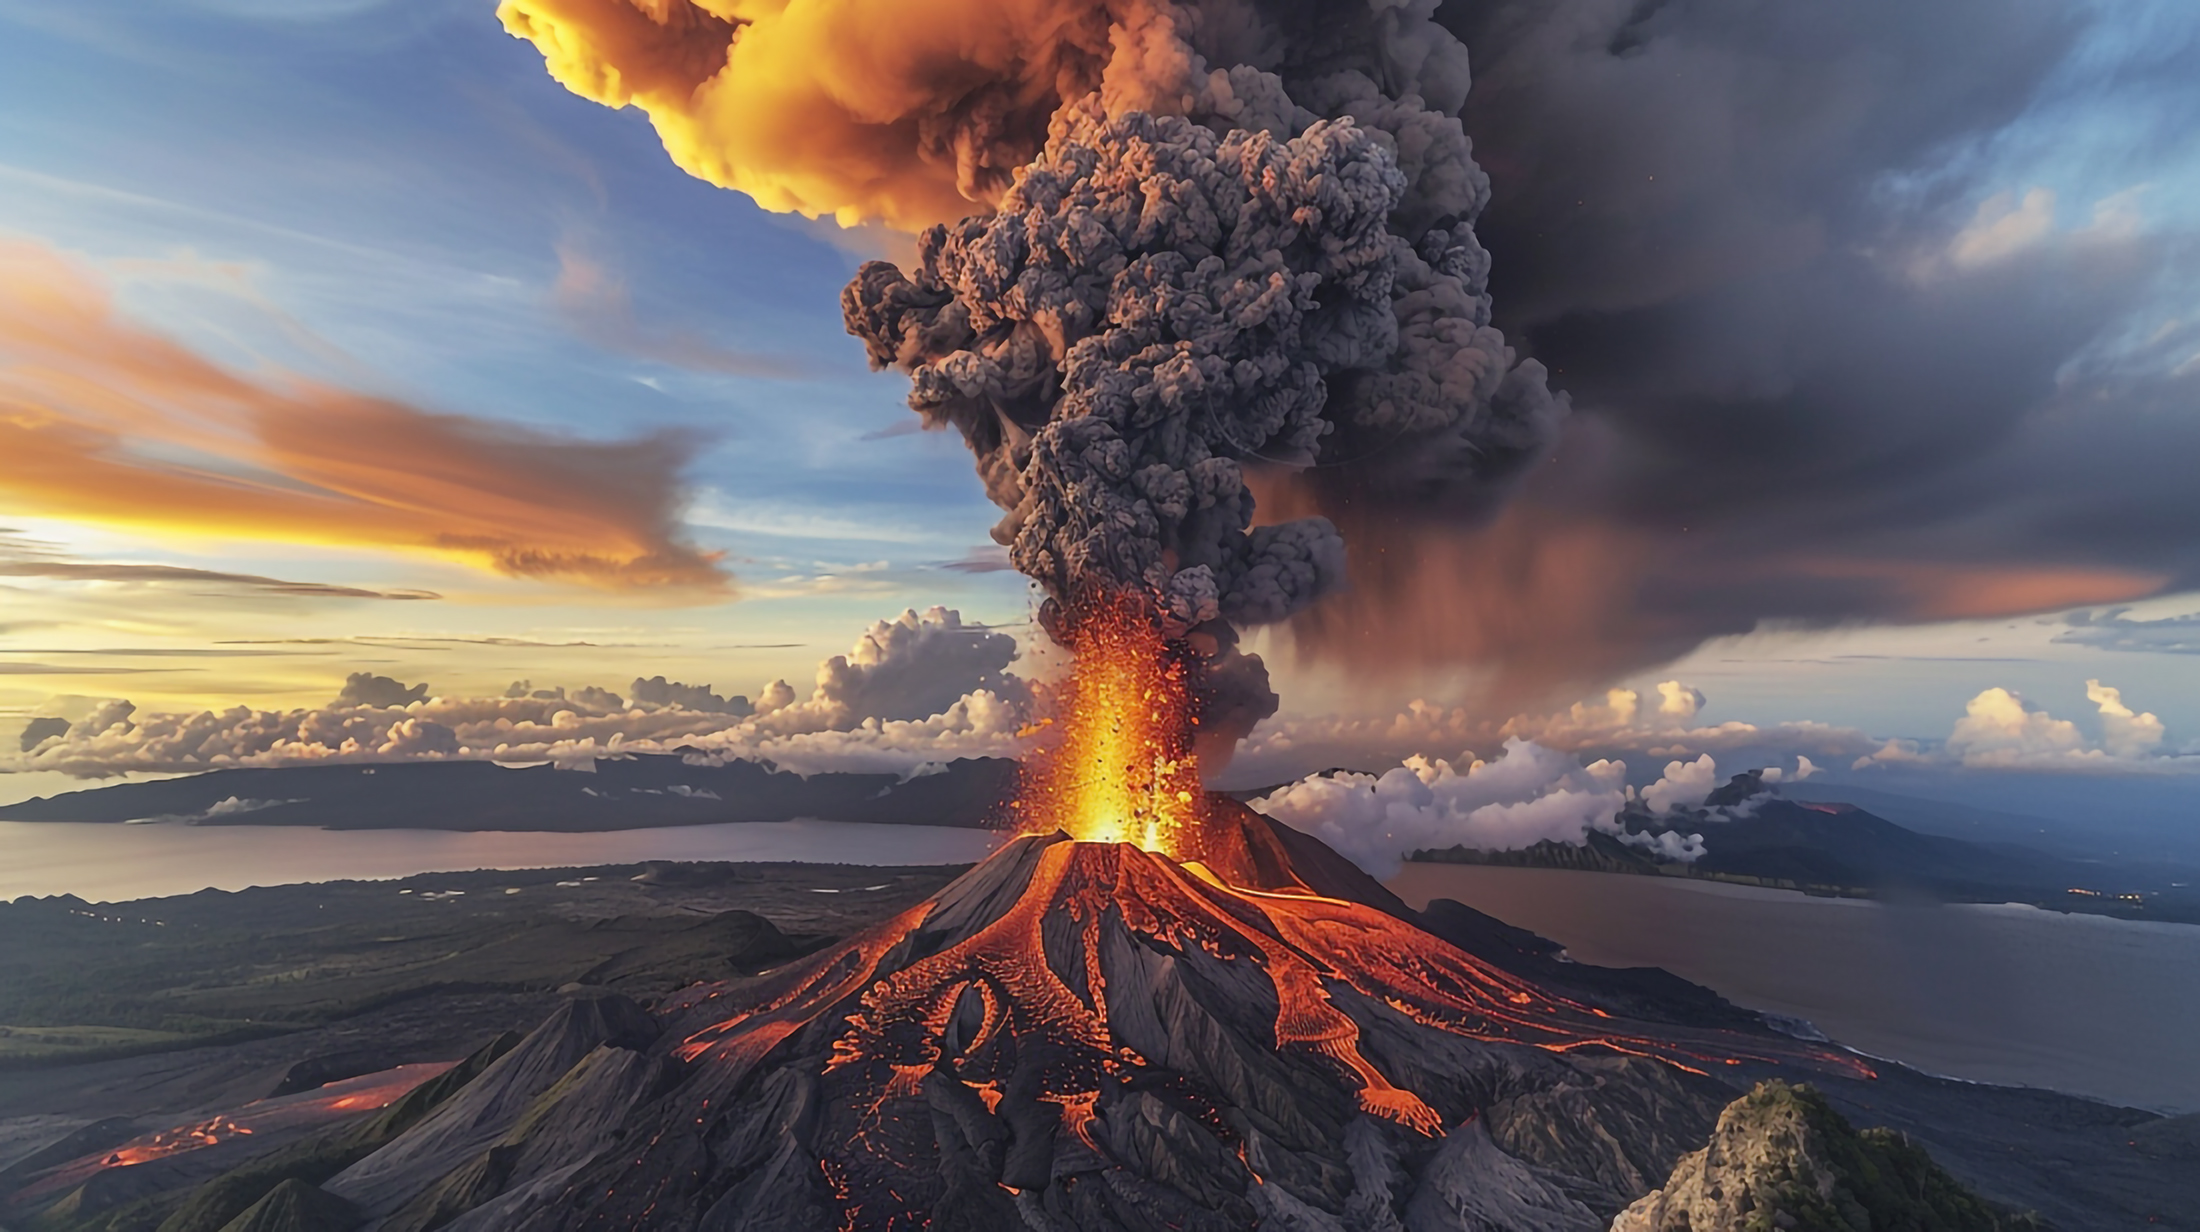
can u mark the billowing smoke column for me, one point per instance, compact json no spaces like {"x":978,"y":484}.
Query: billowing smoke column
{"x":1202,"y":238}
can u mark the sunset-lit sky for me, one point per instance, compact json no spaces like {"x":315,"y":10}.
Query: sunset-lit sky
{"x":335,"y":336}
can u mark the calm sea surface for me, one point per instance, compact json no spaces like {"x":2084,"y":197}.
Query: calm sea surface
{"x":2002,"y":994}
{"x":113,"y":863}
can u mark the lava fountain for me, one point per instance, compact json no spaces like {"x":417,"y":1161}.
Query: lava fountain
{"x":1120,"y":767}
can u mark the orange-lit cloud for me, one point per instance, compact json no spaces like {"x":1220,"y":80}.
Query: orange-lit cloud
{"x":1553,"y":597}
{"x":105,"y":422}
{"x":908,"y":111}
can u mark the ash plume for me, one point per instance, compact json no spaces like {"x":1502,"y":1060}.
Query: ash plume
{"x":1836,"y":353}
{"x":1842,"y":344}
{"x":1198,"y":240}
{"x":1160,"y":302}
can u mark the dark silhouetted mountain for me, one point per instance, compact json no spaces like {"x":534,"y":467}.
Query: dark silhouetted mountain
{"x":622,"y":794}
{"x":1597,"y":853}
{"x":1752,"y":834}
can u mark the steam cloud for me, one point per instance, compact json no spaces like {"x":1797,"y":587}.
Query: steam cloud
{"x":1201,"y":239}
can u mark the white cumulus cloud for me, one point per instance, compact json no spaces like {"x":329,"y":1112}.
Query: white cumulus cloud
{"x":1684,"y":786}
{"x":2001,"y":730}
{"x":917,"y":689}
{"x":1530,"y":794}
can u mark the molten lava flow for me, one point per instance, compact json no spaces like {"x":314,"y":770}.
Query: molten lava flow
{"x":175,"y":1141}
{"x":1121,"y":767}
{"x":281,"y":1115}
{"x":1037,"y":980}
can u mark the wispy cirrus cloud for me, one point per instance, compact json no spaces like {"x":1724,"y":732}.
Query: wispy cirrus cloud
{"x":593,"y":298}
{"x":105,"y":571}
{"x":23,"y":556}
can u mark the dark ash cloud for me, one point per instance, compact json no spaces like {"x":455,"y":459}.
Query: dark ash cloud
{"x":1825,"y":365}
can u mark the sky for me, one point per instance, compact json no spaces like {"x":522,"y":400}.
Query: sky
{"x":377,"y":351}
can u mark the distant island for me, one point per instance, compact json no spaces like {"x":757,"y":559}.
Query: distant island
{"x":1752,"y":835}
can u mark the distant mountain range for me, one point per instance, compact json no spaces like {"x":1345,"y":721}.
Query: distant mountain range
{"x":1753,"y":835}
{"x":623,"y":794}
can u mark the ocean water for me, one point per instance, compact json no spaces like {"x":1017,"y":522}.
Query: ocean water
{"x":2005,"y":994}
{"x":112,"y":863}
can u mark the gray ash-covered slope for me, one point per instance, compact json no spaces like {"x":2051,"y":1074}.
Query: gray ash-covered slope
{"x":1090,"y":1036}
{"x":622,"y":793}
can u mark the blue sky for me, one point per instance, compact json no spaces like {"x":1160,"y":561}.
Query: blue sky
{"x":378,"y":196}
{"x":396,"y":199}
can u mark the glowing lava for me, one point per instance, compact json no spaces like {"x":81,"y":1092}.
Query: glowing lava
{"x":279,"y":1117}
{"x":1120,"y":768}
{"x":1045,"y":976}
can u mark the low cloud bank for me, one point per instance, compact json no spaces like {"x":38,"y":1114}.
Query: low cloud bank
{"x":1532,"y":794}
{"x":1528,"y":795}
{"x":1663,"y":724}
{"x":916,"y":689}
{"x":1561,"y":778}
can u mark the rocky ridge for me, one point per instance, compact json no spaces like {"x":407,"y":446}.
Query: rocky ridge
{"x":1782,"y":1160}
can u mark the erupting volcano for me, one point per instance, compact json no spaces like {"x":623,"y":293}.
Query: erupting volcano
{"x":1121,"y":765}
{"x":1155,"y":1009}
{"x":1200,"y":240}
{"x":1241,"y":1030}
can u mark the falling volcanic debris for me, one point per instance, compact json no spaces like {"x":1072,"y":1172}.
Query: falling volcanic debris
{"x":1200,"y":239}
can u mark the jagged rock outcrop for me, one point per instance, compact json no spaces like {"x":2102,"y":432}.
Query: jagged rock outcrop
{"x":1782,"y":1160}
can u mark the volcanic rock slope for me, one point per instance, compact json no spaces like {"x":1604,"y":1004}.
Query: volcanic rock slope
{"x":1090,"y":1036}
